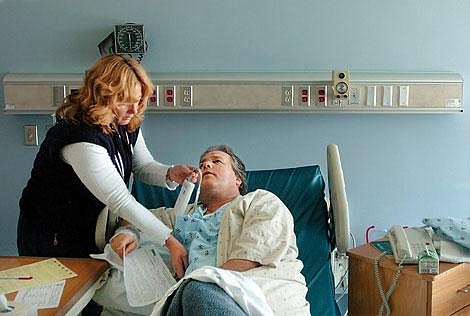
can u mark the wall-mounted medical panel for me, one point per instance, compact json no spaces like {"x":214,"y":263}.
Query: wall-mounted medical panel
{"x":302,"y":92}
{"x":37,"y":93}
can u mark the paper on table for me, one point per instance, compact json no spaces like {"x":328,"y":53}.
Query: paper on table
{"x":146,"y":277}
{"x":43,"y":272}
{"x":21,"y":309}
{"x":46,"y":296}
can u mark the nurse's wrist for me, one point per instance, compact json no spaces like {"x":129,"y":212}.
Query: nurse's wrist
{"x":168,"y":174}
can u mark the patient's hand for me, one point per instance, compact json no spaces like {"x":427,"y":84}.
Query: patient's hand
{"x":123,"y":244}
{"x":179,"y":256}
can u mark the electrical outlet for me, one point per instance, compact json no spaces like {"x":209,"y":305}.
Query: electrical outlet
{"x":355,"y":96}
{"x":321,"y":93}
{"x":169,"y":95}
{"x":187,"y":95}
{"x":287,"y":96}
{"x":303,"y":93}
{"x":153,"y":98}
{"x":31,"y":135}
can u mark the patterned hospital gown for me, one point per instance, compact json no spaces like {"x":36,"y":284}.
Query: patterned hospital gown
{"x":198,"y":233}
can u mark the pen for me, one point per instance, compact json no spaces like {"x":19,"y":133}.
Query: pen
{"x":25,"y":277}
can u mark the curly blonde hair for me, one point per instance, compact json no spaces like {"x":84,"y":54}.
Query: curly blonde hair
{"x":110,"y":81}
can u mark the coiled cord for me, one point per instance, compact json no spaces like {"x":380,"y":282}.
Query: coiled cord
{"x":385,"y":296}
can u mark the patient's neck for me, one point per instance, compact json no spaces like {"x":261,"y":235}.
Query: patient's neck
{"x":214,"y":203}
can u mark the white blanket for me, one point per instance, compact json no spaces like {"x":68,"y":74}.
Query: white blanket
{"x":244,"y":291}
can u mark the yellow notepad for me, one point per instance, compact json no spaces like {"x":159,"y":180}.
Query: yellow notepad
{"x":43,"y":272}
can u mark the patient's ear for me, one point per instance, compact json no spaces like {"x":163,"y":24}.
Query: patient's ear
{"x":238,"y":181}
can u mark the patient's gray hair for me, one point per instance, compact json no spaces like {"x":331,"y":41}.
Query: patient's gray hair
{"x":237,"y":164}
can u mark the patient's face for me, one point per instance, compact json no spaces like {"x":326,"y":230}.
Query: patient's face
{"x":217,"y":173}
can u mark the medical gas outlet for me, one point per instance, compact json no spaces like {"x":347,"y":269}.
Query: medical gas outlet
{"x":340,"y":87}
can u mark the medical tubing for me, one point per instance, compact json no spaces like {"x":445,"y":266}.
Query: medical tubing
{"x":353,"y":239}
{"x":367,"y":232}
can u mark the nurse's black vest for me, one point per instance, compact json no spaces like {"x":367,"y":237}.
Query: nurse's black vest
{"x":57,"y":212}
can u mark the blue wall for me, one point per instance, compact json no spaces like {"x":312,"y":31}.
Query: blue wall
{"x":399,"y":168}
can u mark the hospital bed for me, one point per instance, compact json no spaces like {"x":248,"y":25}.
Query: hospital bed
{"x":321,"y":225}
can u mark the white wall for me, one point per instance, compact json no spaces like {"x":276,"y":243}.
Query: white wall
{"x":399,"y":168}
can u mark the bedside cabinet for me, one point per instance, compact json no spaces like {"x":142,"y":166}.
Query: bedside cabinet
{"x":447,"y":293}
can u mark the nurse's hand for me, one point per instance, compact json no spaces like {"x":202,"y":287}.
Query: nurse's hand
{"x":179,"y":173}
{"x":123,"y":244}
{"x":179,"y":256}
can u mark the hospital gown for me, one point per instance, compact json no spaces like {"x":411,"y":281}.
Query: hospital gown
{"x":259,"y":227}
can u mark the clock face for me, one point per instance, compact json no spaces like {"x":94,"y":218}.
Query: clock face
{"x":129,"y":38}
{"x":341,"y":87}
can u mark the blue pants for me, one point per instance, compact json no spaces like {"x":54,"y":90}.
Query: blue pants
{"x":198,"y":298}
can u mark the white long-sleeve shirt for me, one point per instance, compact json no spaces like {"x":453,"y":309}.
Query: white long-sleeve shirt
{"x":97,"y":172}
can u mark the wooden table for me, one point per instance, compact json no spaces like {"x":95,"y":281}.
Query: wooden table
{"x":78,"y":291}
{"x":446,"y":293}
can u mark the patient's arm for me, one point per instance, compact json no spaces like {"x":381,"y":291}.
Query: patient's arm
{"x":240,"y":265}
{"x":179,"y":256}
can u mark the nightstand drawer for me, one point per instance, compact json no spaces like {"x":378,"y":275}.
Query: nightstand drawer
{"x":463,"y":312}
{"x":451,"y":291}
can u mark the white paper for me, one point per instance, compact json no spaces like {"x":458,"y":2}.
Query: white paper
{"x":110,"y":256}
{"x":20,"y":309}
{"x":146,"y":277}
{"x":46,"y":296}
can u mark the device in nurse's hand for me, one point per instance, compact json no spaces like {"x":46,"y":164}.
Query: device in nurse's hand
{"x":408,"y":243}
{"x":183,"y":198}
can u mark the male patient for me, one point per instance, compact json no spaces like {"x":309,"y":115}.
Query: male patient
{"x":252,"y":233}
